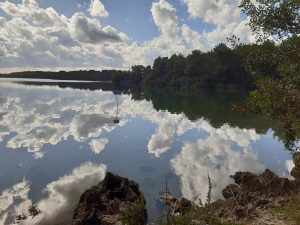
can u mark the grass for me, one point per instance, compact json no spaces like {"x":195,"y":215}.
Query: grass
{"x":206,"y":214}
{"x":135,"y":215}
{"x":198,"y":214}
{"x":291,"y":210}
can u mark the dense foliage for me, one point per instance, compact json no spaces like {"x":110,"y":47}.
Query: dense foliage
{"x":219,"y":68}
{"x":278,"y":92}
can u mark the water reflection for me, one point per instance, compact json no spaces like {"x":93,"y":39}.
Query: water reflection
{"x":217,"y":157}
{"x":51,"y":116}
{"x":67,"y":138}
{"x":98,"y":145}
{"x":62,"y":197}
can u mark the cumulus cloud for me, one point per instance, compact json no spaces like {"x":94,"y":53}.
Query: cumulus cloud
{"x":14,"y":201}
{"x":162,"y":139}
{"x":37,"y":38}
{"x":164,"y":16}
{"x":30,"y":4}
{"x":88,"y":30}
{"x":207,"y":40}
{"x":219,"y":12}
{"x":98,"y":145}
{"x":97,"y":9}
{"x":52,"y":118}
{"x":62,"y":196}
{"x":91,"y":125}
{"x":215,"y":157}
{"x":11,"y":9}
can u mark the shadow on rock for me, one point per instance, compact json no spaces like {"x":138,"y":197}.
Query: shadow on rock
{"x":252,"y":193}
{"x":107,"y":202}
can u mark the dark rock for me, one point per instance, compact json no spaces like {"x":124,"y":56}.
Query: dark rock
{"x":240,"y":177}
{"x":176,"y":205}
{"x":296,"y":159}
{"x":296,"y":170}
{"x":231,"y":190}
{"x":104,"y":203}
{"x":296,"y":173}
{"x":181,"y":206}
{"x":167,"y":199}
{"x":254,"y":192}
{"x":267,"y":183}
{"x":239,"y":212}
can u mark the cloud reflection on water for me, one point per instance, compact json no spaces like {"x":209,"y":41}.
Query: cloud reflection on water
{"x":213,"y":156}
{"x":35,"y":116}
{"x":54,"y":115}
{"x":62,"y":197}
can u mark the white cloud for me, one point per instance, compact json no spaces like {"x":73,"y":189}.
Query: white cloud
{"x":62,"y":196}
{"x":164,"y":16}
{"x":30,"y":4}
{"x":37,"y":38}
{"x":216,"y":157}
{"x":162,"y":139}
{"x":14,"y":201}
{"x":88,"y":30}
{"x":52,"y":118}
{"x":98,"y":145}
{"x":207,"y":40}
{"x":97,"y":9}
{"x":219,"y":12}
{"x":11,"y":9}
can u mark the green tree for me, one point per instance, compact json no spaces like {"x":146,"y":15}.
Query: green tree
{"x":279,"y":18}
{"x":277,"y":96}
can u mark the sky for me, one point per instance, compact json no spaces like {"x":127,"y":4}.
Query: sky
{"x":111,"y":34}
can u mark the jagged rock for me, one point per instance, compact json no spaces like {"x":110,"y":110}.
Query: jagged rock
{"x":167,"y":198}
{"x":181,"y":205}
{"x":296,"y":159}
{"x":296,"y":170}
{"x":296,"y":173}
{"x":104,"y":203}
{"x":230,"y":191}
{"x":253,"y":192}
{"x":267,"y":183}
{"x":176,"y":205}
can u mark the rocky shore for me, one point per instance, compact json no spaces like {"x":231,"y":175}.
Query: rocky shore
{"x":250,"y":200}
{"x":108,"y":202}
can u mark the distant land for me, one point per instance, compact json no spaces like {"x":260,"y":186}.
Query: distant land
{"x":220,"y":68}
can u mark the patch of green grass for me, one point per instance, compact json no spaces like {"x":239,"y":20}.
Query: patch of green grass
{"x":136,"y":214}
{"x":206,"y":214}
{"x":291,"y":210}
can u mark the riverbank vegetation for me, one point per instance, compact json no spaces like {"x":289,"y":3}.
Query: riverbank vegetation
{"x":277,"y":93}
{"x":220,"y":68}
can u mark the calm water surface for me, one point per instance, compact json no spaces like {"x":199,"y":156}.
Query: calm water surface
{"x":55,"y":143}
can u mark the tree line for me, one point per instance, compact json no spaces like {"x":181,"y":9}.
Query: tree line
{"x":220,"y":68}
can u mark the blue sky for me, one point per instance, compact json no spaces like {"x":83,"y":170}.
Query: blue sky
{"x":132,"y":17}
{"x":85,"y":34}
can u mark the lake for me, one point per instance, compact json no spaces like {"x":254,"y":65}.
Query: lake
{"x":57,"y":142}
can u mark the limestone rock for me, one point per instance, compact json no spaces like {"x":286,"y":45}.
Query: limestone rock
{"x":104,"y":203}
{"x":252,"y":193}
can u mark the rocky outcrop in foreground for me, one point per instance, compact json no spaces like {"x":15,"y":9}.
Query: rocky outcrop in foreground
{"x":249,"y":200}
{"x":106,"y":203}
{"x":175,"y":205}
{"x":296,"y":170}
{"x":253,"y":193}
